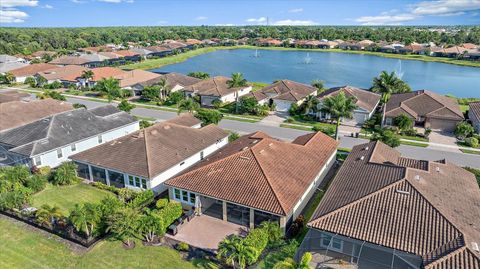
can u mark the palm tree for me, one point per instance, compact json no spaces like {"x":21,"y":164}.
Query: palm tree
{"x":319,"y":84}
{"x":85,"y":217}
{"x":310,"y":103}
{"x":290,"y":263}
{"x":163,"y":88}
{"x":274,"y":231}
{"x":8,"y":78}
{"x":110,"y":87}
{"x":234,"y":252}
{"x":87,"y":75}
{"x":338,"y":106}
{"x":236,"y":81}
{"x":47,"y":215}
{"x":188,"y":104}
{"x":387,"y":84}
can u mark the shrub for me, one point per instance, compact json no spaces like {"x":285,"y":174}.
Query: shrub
{"x":290,"y":120}
{"x":233,"y":136}
{"x":170,"y":213}
{"x":182,"y":246}
{"x":387,"y":136}
{"x":297,"y":226}
{"x":14,"y":199}
{"x":258,"y":239}
{"x":471,"y":142}
{"x":403,"y":122}
{"x":161,"y":203}
{"x":19,"y":173}
{"x":294,"y":109}
{"x":175,"y":97}
{"x":329,"y":130}
{"x":208,"y":116}
{"x":142,"y":199}
{"x":36,"y":182}
{"x":217,"y":103}
{"x":44,"y":171}
{"x":126,"y":106}
{"x":463,"y":130}
{"x":145,"y":124}
{"x":65,"y":174}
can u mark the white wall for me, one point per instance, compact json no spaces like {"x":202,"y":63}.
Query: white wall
{"x":50,"y":158}
{"x":157,"y":183}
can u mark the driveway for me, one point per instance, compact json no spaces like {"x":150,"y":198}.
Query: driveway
{"x":443,"y":141}
{"x":275,"y":119}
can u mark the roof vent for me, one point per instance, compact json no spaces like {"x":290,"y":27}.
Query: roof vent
{"x":475,"y":247}
{"x":245,"y":148}
{"x":46,"y":120}
{"x":403,"y":192}
{"x":437,"y":169}
{"x":154,"y":132}
{"x":244,"y":158}
{"x":362,"y":158}
{"x":271,"y":144}
{"x":262,"y":151}
{"x":366,"y":148}
{"x":417,"y":177}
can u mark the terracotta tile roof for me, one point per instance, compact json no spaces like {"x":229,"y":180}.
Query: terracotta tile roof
{"x":66,"y":73}
{"x":130,"y":78}
{"x":185,"y":119}
{"x":260,"y":172}
{"x":425,"y":104}
{"x":17,"y":113}
{"x":364,"y":99}
{"x":158,"y":48}
{"x":288,"y":90}
{"x":126,"y":53}
{"x":100,"y":73}
{"x":430,"y":209}
{"x":474,"y":107}
{"x":32,"y":69}
{"x":10,"y":96}
{"x":216,"y":86}
{"x":69,"y":60}
{"x":173,"y":80}
{"x":153,"y":150}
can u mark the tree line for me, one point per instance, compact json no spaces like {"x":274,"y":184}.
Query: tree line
{"x":29,"y":40}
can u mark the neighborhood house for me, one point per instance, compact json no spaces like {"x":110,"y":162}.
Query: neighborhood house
{"x":175,"y":82}
{"x":474,"y":115}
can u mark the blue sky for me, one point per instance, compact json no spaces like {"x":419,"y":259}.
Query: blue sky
{"x":72,"y":13}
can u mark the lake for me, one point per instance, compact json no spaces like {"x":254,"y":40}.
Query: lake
{"x":336,"y":69}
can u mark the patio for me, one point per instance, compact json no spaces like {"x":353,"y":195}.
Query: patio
{"x":206,"y":232}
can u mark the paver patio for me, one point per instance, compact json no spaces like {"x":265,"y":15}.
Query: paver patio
{"x":206,"y":232}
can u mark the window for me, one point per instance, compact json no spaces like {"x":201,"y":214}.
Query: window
{"x":192,"y":197}
{"x":144,"y":183}
{"x":201,"y":155}
{"x":185,"y":196}
{"x":176,"y":193}
{"x":336,"y":244}
{"x":131,"y":181}
{"x":138,"y":182}
{"x":100,"y":139}
{"x":59,"y":153}
{"x":37,"y":160}
{"x":73,"y":147}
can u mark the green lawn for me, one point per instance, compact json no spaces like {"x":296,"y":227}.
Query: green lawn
{"x":470,"y":151}
{"x":415,"y":144}
{"x":65,"y":197}
{"x":22,"y":247}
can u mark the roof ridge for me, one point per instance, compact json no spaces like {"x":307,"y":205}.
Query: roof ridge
{"x":268,"y":179}
{"x":146,"y":151}
{"x":361,"y":199}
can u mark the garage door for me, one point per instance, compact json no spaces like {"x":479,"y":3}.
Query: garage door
{"x":282,"y":105}
{"x":442,"y":125}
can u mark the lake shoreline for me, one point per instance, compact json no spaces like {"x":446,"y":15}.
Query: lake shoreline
{"x":161,"y":62}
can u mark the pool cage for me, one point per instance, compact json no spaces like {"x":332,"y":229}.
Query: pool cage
{"x":340,"y":252}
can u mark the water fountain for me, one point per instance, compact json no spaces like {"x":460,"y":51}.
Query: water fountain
{"x":256,"y":55}
{"x":308,"y":59}
{"x":398,"y":69}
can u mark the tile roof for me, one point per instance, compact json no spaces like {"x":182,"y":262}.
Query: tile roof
{"x":173,"y":79}
{"x":425,"y":104}
{"x":63,"y":129}
{"x":18,"y":113}
{"x":132,"y":77}
{"x":364,"y":99}
{"x":153,"y":150}
{"x":9,"y":66}
{"x":10,"y":96}
{"x":216,"y":86}
{"x":185,"y":119}
{"x":430,"y":209}
{"x":474,"y":108}
{"x":66,"y":73}
{"x":32,"y":69}
{"x":127,"y":53}
{"x":100,"y":73}
{"x":288,"y":90}
{"x":260,"y":172}
{"x":69,"y":60}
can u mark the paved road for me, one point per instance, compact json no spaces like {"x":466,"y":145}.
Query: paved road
{"x":290,"y":134}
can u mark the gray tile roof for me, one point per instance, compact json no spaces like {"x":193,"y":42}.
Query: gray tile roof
{"x":63,"y":129}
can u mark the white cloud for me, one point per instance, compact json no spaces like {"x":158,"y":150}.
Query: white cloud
{"x":295,"y":22}
{"x":201,"y":18}
{"x":116,"y":1}
{"x":77,"y":1}
{"x":19,"y":3}
{"x":48,"y":6}
{"x":12,"y":16}
{"x":259,"y":20}
{"x":296,"y":10}
{"x":385,"y":19}
{"x":445,"y":7}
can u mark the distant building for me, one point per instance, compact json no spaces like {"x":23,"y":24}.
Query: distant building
{"x":474,"y":115}
{"x":283,"y":94}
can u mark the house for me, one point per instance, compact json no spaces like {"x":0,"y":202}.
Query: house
{"x":216,"y":88}
{"x":67,"y":74}
{"x":142,"y":52}
{"x":22,"y":73}
{"x":159,"y":51}
{"x":12,"y":96}
{"x":4,"y":58}
{"x":132,"y":77}
{"x":147,"y":158}
{"x":364,"y":44}
{"x":412,"y":48}
{"x":175,"y":82}
{"x":257,"y":178}
{"x":349,"y":45}
{"x":383,"y":210}
{"x":97,"y":59}
{"x":51,"y":140}
{"x":327,"y":44}
{"x":100,"y":73}
{"x":474,"y":115}
{"x":284,"y":93}
{"x":18,"y":113}
{"x":69,"y":60}
{"x":9,"y":63}
{"x":268,"y":42}
{"x":366,"y":102}
{"x":426,"y":108}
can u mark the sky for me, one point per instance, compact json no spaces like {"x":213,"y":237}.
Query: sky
{"x":82,"y":13}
